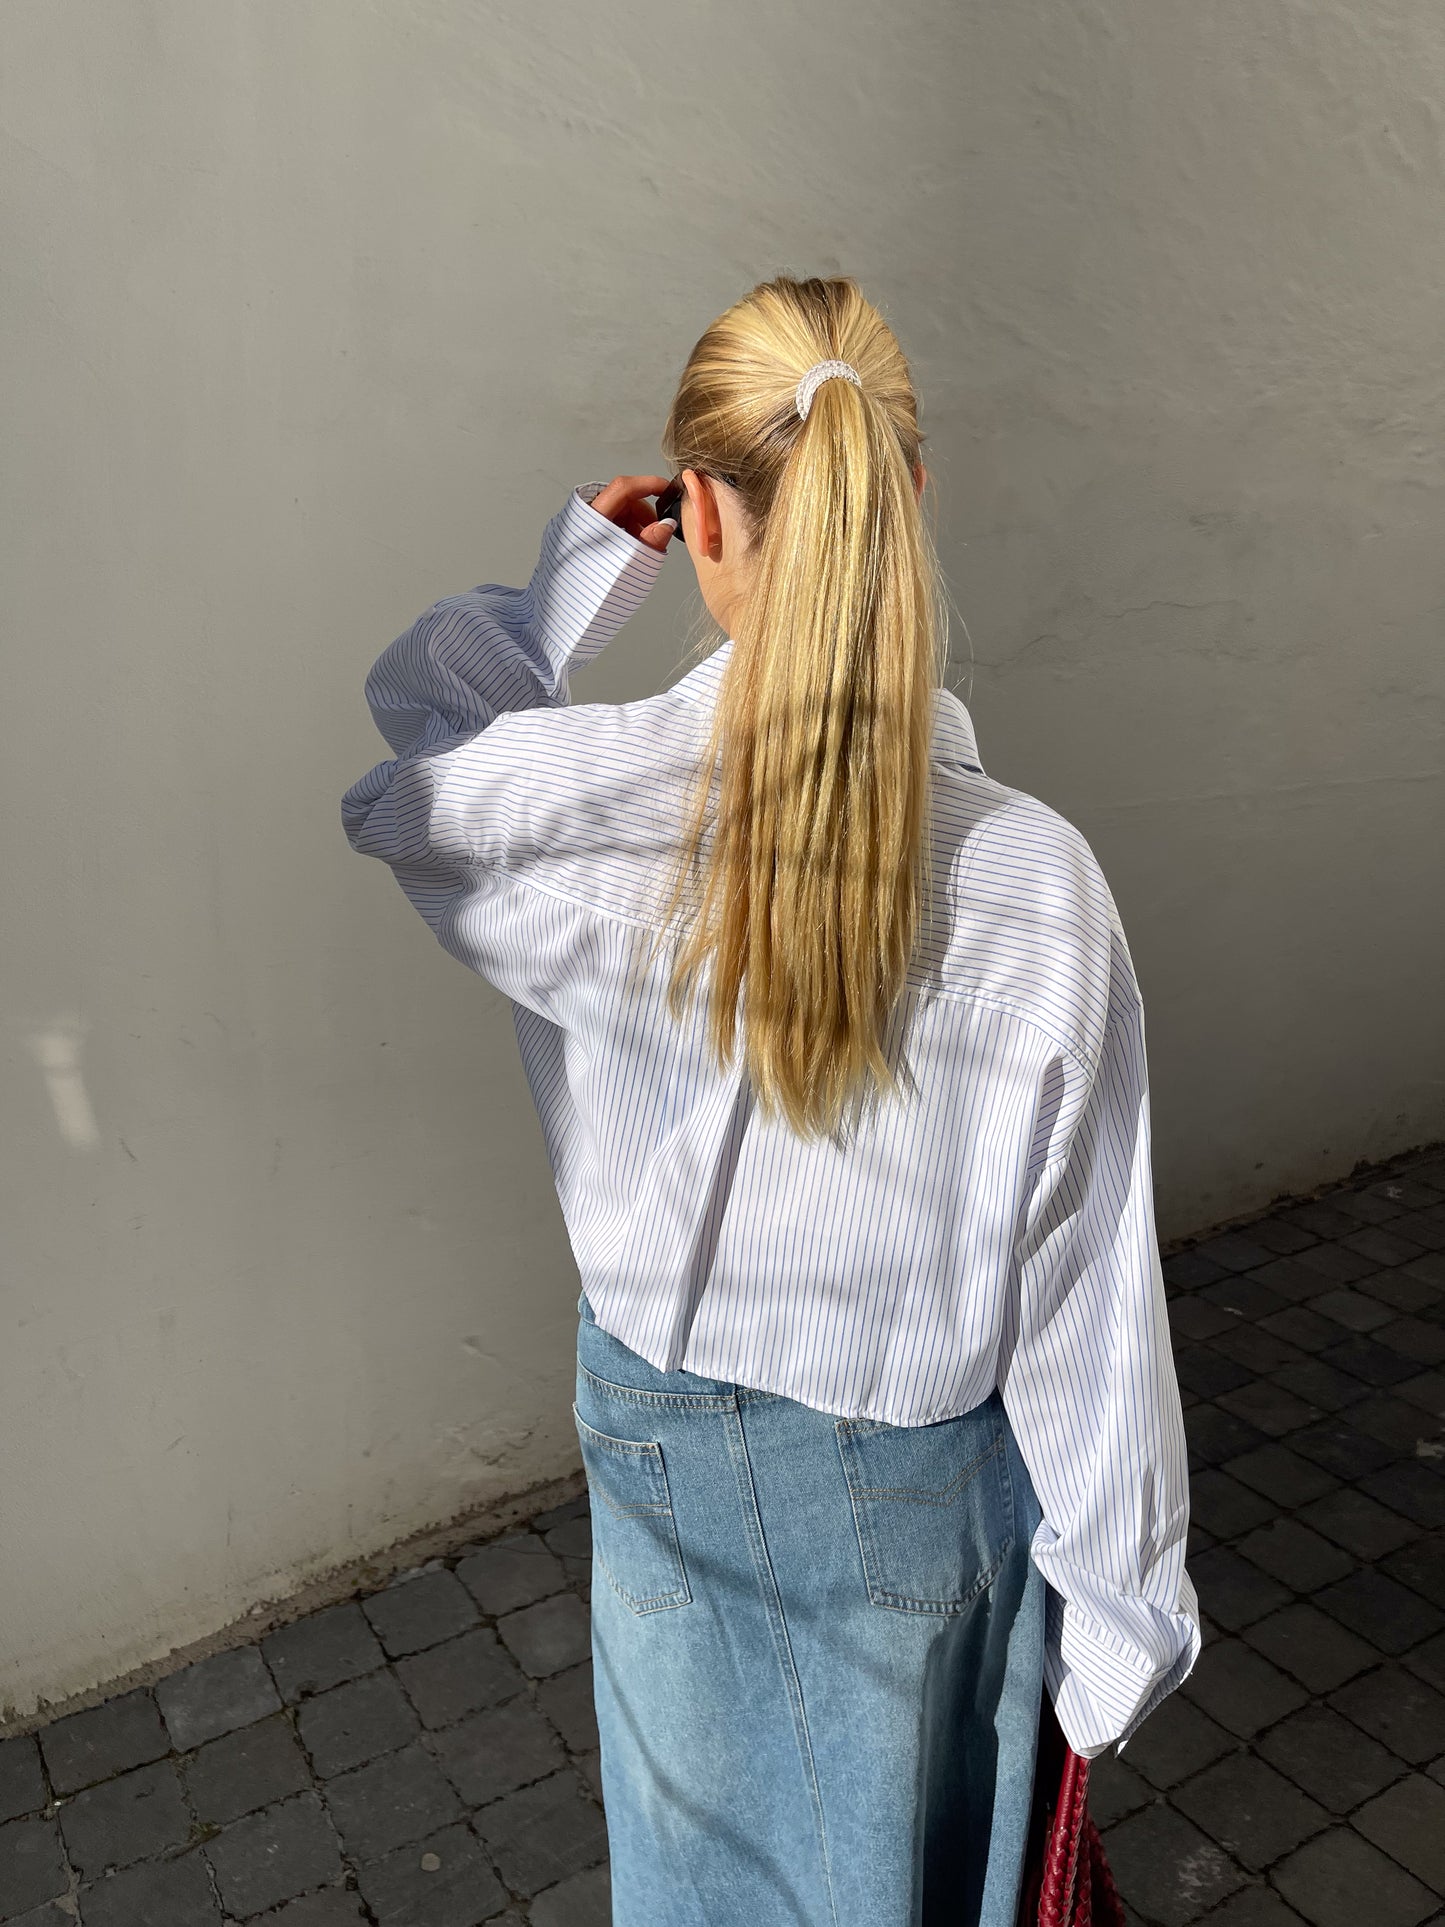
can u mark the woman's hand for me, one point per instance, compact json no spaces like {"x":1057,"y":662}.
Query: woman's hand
{"x":625,"y":502}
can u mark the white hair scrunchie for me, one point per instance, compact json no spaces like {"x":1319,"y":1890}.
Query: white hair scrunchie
{"x":820,"y":372}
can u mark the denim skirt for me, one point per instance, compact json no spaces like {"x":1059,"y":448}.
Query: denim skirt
{"x":818,"y":1654}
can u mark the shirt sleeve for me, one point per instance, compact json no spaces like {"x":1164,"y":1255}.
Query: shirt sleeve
{"x":1094,"y":1402}
{"x":438,"y":810}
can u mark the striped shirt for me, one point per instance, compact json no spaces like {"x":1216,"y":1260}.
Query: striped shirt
{"x":994,"y":1229}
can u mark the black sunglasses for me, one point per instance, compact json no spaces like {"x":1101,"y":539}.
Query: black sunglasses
{"x":670,"y":500}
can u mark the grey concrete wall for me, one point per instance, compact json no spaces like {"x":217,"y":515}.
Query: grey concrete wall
{"x":313,"y":312}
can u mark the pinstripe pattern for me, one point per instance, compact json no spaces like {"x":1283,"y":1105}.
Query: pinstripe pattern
{"x":996,"y":1229}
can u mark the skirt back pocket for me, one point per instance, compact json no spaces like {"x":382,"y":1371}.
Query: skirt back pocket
{"x":933,"y":1506}
{"x":634,"y":1535}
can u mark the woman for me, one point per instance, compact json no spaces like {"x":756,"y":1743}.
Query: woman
{"x":839,"y":1057}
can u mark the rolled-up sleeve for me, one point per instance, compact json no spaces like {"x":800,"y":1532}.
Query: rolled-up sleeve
{"x":439,"y":811}
{"x":1091,"y":1392}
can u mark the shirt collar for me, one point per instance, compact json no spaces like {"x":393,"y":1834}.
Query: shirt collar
{"x":953,"y":737}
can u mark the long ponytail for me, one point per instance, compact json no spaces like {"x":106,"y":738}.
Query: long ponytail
{"x":805,"y":857}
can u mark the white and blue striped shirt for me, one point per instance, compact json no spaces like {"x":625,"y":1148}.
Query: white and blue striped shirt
{"x":995,"y":1229}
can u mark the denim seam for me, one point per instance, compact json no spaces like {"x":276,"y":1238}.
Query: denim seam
{"x":777,"y":1621}
{"x":680,"y":1401}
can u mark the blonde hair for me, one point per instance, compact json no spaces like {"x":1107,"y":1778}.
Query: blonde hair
{"x":806,"y":879}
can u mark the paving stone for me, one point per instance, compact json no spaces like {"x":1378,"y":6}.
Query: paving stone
{"x":1408,"y":1822}
{"x":1339,"y":1880}
{"x":1207,"y":1372}
{"x":511,"y":1572}
{"x":1415,"y":1339}
{"x":1291,"y":1281}
{"x":543,"y":1833}
{"x":1325,"y":1219}
{"x":1256,"y":1349}
{"x":1254,"y":1813}
{"x":1407,"y":1188}
{"x":1233,"y":1590}
{"x":1367,"y":1359}
{"x":1290,"y":1551}
{"x":1359,"y":1523}
{"x":1369,"y":1205}
{"x":1337,"y":1262}
{"x":215,"y":1696}
{"x":399,"y":1798}
{"x":1247,"y":1297}
{"x":1225,"y":1507}
{"x":1420,"y":1566}
{"x":569,"y":1703}
{"x":1321,"y":1385}
{"x":32,"y":1865}
{"x":54,"y":1913}
{"x":356,"y":1722}
{"x":1185,"y":1271}
{"x":575,"y":1508}
{"x":572,"y":1538}
{"x":1353,"y":1309}
{"x":22,"y":1783}
{"x":1395,"y":1422}
{"x":553,"y":1634}
{"x":1240,"y":1689}
{"x":1171,"y":1871}
{"x":1327,"y":1755}
{"x":160,"y":1893}
{"x":103,"y":1740}
{"x":1399,"y":1289}
{"x":1269,"y":1407}
{"x":1301,"y":1326}
{"x":1416,"y":1491}
{"x":441,"y":1881}
{"x":1176,"y":1740}
{"x":1382,"y":1246}
{"x":1379,"y":1609}
{"x":495,"y":1752}
{"x":274,"y":1855}
{"x":1195,"y":1318}
{"x":583,"y":1901}
{"x":327,"y":1907}
{"x":415,"y":1613}
{"x":1233,"y":1251}
{"x":1336,"y":1447}
{"x":1281,"y":1475}
{"x":1115,"y":1789}
{"x":1215,"y":1435}
{"x":589,"y":1765}
{"x":138,"y":1814}
{"x":324,"y":1650}
{"x":1397,"y":1709}
{"x":1428,"y":1661}
{"x":1255,"y":1907}
{"x":1427,"y":1392}
{"x":1310,"y":1646}
{"x":463,"y":1676}
{"x":1280,"y":1238}
{"x":1431,"y":1268}
{"x":242,"y":1771}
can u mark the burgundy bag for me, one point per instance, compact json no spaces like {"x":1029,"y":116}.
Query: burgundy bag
{"x":1067,"y":1882}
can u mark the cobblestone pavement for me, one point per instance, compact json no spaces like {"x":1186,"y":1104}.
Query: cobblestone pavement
{"x":425,"y":1755}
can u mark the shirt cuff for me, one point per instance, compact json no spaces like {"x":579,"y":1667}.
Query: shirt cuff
{"x":591,"y":576}
{"x":1106,"y":1681}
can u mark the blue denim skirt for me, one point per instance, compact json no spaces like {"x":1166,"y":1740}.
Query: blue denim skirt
{"x":818,"y":1650}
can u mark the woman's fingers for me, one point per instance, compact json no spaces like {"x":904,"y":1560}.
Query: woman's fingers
{"x":656,"y":535}
{"x":624,"y":501}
